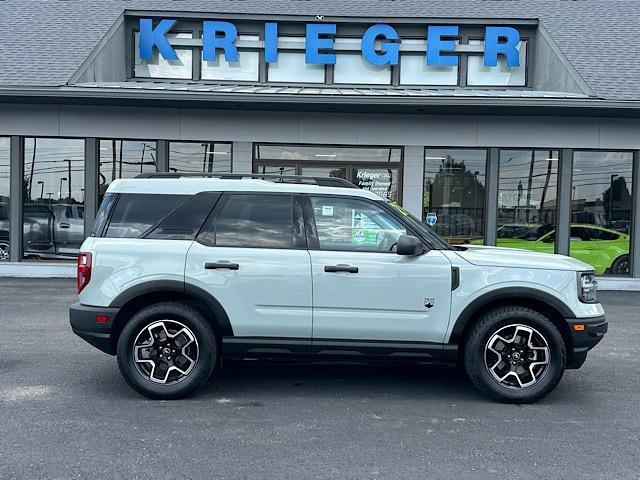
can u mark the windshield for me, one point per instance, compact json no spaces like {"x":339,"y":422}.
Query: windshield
{"x":423,"y":228}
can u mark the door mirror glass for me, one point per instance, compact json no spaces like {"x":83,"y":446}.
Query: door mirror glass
{"x":409,"y":245}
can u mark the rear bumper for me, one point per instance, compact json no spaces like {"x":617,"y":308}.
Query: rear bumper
{"x":583,"y":340}
{"x":84,"y":324}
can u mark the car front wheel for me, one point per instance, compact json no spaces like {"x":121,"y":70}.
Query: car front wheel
{"x":167,"y":351}
{"x":515,"y":355}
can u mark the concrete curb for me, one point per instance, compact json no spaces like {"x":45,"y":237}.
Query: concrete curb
{"x":37,"y":270}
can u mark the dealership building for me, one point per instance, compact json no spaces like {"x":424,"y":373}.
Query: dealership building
{"x":506,"y":123}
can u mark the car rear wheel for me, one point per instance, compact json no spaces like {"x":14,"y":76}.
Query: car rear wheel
{"x":515,"y":355}
{"x":620,"y":265}
{"x":167,"y":351}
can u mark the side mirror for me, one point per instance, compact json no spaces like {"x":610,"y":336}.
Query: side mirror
{"x":410,"y":245}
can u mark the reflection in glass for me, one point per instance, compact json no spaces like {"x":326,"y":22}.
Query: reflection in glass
{"x":124,"y":159}
{"x":372,"y":168}
{"x":4,"y":198}
{"x":254,"y":221}
{"x":454,"y":189}
{"x":328,"y":154}
{"x":277,"y":170}
{"x":53,"y":212}
{"x":527,"y":199}
{"x":601,"y":210}
{"x":200,"y":157}
{"x":324,"y":171}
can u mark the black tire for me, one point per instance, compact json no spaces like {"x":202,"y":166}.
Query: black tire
{"x":620,"y":265}
{"x":488,"y":325}
{"x":4,"y":250}
{"x":206,"y":345}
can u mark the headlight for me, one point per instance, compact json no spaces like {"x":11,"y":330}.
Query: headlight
{"x":587,"y":287}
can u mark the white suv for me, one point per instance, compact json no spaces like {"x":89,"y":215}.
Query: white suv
{"x":181,"y":272}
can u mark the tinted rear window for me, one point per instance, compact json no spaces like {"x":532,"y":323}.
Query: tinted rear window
{"x":254,"y":221}
{"x":135,"y":214}
{"x":185,"y":222}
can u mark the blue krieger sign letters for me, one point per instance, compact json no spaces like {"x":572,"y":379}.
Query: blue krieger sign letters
{"x":380,"y":43}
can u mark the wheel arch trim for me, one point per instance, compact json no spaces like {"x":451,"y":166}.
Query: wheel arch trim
{"x":505,"y":294}
{"x":187,"y":290}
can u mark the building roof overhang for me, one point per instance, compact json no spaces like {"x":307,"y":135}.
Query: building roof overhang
{"x":338,"y":99}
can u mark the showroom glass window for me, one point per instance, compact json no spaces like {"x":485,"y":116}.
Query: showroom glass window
{"x":124,"y":159}
{"x":454,"y":189}
{"x":527,"y":195}
{"x":207,"y":157}
{"x":373,"y":168}
{"x":601,"y":202}
{"x":4,"y":198}
{"x":53,"y":209}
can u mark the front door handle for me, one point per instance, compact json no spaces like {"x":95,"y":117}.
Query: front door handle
{"x":65,"y":225}
{"x":218,"y":265}
{"x":340,"y":268}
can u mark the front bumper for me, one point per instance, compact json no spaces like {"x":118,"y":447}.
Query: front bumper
{"x":586,"y":333}
{"x":84,"y":324}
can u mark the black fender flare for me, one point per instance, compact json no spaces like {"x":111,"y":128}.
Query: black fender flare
{"x":506,"y":294}
{"x":182,"y":288}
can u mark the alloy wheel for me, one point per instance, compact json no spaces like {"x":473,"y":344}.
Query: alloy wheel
{"x":165,"y":352}
{"x":4,"y":251}
{"x":517,"y":356}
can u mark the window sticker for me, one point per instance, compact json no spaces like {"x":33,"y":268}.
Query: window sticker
{"x":327,"y":210}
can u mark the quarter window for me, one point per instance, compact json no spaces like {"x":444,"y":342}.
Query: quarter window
{"x":354,"y":225}
{"x":135,"y":214}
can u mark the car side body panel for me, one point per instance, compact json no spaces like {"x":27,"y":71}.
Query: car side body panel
{"x":122,"y":263}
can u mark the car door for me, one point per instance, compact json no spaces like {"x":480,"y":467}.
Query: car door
{"x":362,"y":289}
{"x":251,"y":256}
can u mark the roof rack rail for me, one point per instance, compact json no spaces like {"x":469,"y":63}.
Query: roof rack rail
{"x":273,"y":177}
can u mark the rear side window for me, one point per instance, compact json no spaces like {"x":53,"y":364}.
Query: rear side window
{"x":102,"y":216}
{"x":134,"y":214}
{"x":185,"y":221}
{"x":252,"y":221}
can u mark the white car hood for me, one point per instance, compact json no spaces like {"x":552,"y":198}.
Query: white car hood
{"x":514,"y":257}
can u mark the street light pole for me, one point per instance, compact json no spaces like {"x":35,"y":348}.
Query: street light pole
{"x":63,"y":179}
{"x":41,"y":183}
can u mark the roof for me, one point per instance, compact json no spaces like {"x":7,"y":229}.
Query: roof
{"x":191,"y":186}
{"x":44,"y":43}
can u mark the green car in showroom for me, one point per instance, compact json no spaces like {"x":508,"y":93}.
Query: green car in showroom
{"x":606,"y":250}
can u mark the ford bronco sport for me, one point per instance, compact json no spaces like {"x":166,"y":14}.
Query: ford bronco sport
{"x":182,"y":270}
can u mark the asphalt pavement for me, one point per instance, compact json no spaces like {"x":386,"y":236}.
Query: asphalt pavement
{"x":65,"y":412}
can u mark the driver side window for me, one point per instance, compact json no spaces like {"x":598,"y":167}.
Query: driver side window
{"x":347,"y":224}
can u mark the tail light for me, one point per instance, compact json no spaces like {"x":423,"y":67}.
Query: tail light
{"x":84,"y":270}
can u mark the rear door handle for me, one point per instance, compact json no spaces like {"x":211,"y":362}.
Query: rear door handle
{"x":218,"y":265}
{"x":65,"y":225}
{"x":340,"y":268}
